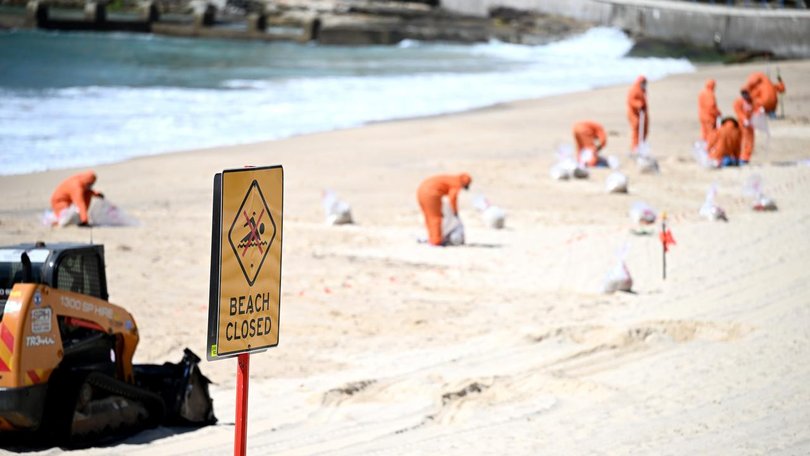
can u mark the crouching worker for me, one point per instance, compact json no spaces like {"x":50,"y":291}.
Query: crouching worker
{"x":77,"y":190}
{"x":724,"y":148}
{"x":430,"y":194}
{"x":764,"y":92}
{"x":590,"y":138}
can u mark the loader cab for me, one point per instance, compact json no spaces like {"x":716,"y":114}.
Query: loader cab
{"x":73,"y":267}
{"x":78,"y":269}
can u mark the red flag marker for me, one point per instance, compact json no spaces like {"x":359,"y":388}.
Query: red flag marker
{"x":666,"y":240}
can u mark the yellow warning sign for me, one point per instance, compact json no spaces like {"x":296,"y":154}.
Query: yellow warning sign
{"x":245,"y":291}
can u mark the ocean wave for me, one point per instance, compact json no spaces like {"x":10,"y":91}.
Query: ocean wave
{"x":85,"y":125}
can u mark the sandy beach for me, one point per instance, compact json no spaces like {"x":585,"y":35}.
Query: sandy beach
{"x":506,"y":345}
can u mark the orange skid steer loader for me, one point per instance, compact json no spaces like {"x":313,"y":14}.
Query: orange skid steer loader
{"x":66,"y":372}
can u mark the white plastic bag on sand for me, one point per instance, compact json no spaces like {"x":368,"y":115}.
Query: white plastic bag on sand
{"x":585,"y":156}
{"x":494,"y":217}
{"x":616,"y":181}
{"x":452,"y":228}
{"x":48,"y":218}
{"x":559,"y":173}
{"x":566,"y":166}
{"x":337,"y":212}
{"x":753,"y":190}
{"x":764,"y":203}
{"x":618,"y":278}
{"x":68,"y":216}
{"x":701,"y":153}
{"x":567,"y":169}
{"x":580,"y":172}
{"x":103,"y":212}
{"x":647,"y":164}
{"x":710,"y":210}
{"x":759,"y":121}
{"x":642,"y":213}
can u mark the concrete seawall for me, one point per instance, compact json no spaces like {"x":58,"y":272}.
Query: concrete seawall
{"x":340,"y":22}
{"x":782,"y":32}
{"x":583,"y":10}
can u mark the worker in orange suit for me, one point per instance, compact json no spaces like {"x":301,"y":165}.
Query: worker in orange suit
{"x":430,"y":194}
{"x":76,"y":190}
{"x":637,"y":108}
{"x":590,"y":138}
{"x":744,"y":108}
{"x":725,"y":144}
{"x":764,"y":92}
{"x":708,"y":111}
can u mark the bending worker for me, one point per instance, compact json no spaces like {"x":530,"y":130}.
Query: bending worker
{"x":637,"y":112}
{"x":724,"y":147}
{"x":77,"y":190}
{"x":744,"y":108}
{"x":708,"y":111}
{"x":590,"y":138}
{"x":763,"y":92}
{"x":430,"y":194}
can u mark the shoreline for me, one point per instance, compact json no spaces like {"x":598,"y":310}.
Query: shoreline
{"x":475,"y":110}
{"x":391,"y":346}
{"x":263,"y":102}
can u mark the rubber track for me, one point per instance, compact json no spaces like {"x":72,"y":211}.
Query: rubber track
{"x":112,"y":387}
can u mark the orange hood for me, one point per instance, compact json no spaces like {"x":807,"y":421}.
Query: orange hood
{"x":465,"y":179}
{"x":87,"y":178}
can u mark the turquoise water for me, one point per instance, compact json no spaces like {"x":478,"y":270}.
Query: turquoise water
{"x":37,"y":60}
{"x":79,"y":99}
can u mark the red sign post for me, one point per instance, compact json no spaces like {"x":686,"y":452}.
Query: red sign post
{"x":242,"y":383}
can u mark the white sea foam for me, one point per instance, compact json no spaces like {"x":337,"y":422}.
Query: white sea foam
{"x":82,"y":126}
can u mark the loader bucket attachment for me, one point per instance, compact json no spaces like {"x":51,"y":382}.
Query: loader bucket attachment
{"x":182,"y":386}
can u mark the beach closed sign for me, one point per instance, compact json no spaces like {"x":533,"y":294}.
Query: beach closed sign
{"x":245,"y":286}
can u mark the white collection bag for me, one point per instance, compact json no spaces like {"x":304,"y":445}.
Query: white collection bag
{"x":647,"y":164}
{"x":494,"y":217}
{"x":566,"y":166}
{"x":710,"y":210}
{"x":452,"y":228}
{"x":701,"y":154}
{"x":102,"y":212}
{"x":616,"y":181}
{"x":618,"y":278}
{"x":337,"y":212}
{"x":753,"y":189}
{"x":642,"y":213}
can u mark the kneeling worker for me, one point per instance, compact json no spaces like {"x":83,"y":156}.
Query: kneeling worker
{"x":76,"y":190}
{"x":725,"y":145}
{"x":590,"y":138}
{"x":430,"y":194}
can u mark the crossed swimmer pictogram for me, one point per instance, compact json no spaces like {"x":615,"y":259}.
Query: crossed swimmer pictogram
{"x":253,"y":238}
